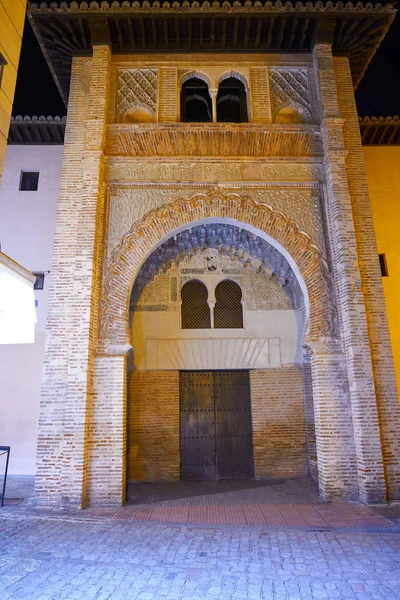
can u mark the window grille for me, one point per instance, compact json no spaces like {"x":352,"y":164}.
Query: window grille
{"x":228,"y":310}
{"x":195,"y":310}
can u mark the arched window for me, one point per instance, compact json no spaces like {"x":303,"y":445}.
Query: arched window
{"x":232,"y":101}
{"x":228,"y":310}
{"x":195,"y":310}
{"x":196,"y":104}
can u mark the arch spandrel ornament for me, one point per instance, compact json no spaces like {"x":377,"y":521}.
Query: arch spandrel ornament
{"x":158,"y":224}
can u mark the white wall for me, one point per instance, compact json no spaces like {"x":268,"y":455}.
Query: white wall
{"x":27,"y":222}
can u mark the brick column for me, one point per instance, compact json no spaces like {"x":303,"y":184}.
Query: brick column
{"x":108,"y":430}
{"x":371,"y":281}
{"x":337,"y":469}
{"x":74,"y":293}
{"x":346,"y":278}
{"x":259,"y":95}
{"x":309,"y":417}
{"x":168,"y":95}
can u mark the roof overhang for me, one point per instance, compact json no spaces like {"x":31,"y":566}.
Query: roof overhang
{"x":36,"y":130}
{"x":68,"y":28}
{"x":380,"y":131}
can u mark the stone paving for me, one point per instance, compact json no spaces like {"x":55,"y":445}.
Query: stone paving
{"x":74,"y":556}
{"x":73,"y":559}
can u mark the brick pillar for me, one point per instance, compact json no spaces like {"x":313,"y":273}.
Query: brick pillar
{"x":337,"y":469}
{"x":259,"y":95}
{"x":346,"y":278}
{"x":371,"y":281}
{"x":108,"y":431}
{"x":74,"y":290}
{"x":168,"y":95}
{"x":309,"y":417}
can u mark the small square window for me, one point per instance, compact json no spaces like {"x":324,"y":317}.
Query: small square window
{"x":39,"y":283}
{"x":29,"y":181}
{"x":383,"y":264}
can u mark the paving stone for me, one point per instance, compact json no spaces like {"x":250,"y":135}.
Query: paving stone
{"x":81,"y":559}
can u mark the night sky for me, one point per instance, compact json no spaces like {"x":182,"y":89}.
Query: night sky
{"x":378,"y":93}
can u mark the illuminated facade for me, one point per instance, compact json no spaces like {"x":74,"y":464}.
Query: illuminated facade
{"x":216,"y":307}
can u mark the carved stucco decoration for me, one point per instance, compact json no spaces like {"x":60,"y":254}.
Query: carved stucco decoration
{"x":145,"y":234}
{"x":207,"y":171}
{"x":261,"y":292}
{"x":130,"y":203}
{"x":137,"y":88}
{"x":290,"y":87}
{"x":243,"y":248}
{"x":127,"y":205}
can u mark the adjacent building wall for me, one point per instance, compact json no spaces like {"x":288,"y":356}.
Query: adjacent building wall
{"x":383,"y":176}
{"x":12,"y":17}
{"x":27,"y":222}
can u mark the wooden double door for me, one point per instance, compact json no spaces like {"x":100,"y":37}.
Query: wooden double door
{"x":216,"y":439}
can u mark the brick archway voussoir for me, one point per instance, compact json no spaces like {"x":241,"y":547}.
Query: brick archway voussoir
{"x":145,"y":235}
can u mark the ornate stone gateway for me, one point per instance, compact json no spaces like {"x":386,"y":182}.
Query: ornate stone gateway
{"x":215,"y":425}
{"x":283,"y":187}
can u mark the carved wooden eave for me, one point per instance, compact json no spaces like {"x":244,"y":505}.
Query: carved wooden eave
{"x":380,"y":131}
{"x":64,"y":29}
{"x":37,"y":130}
{"x":213,"y":139}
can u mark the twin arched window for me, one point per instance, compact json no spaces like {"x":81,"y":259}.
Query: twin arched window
{"x":230,"y":105}
{"x":196,"y":312}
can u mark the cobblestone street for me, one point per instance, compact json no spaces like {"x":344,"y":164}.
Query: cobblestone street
{"x":73,"y":559}
{"x":95,"y":554}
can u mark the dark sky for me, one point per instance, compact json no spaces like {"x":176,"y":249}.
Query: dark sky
{"x":378,"y":93}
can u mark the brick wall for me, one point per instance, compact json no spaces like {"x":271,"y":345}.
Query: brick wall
{"x":279,"y":436}
{"x":153,"y":426}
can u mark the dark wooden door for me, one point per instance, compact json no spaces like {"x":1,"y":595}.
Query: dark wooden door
{"x":216,"y":434}
{"x":197,"y":436}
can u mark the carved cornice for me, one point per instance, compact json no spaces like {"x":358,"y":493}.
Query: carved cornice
{"x":213,"y":139}
{"x":115,"y":6}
